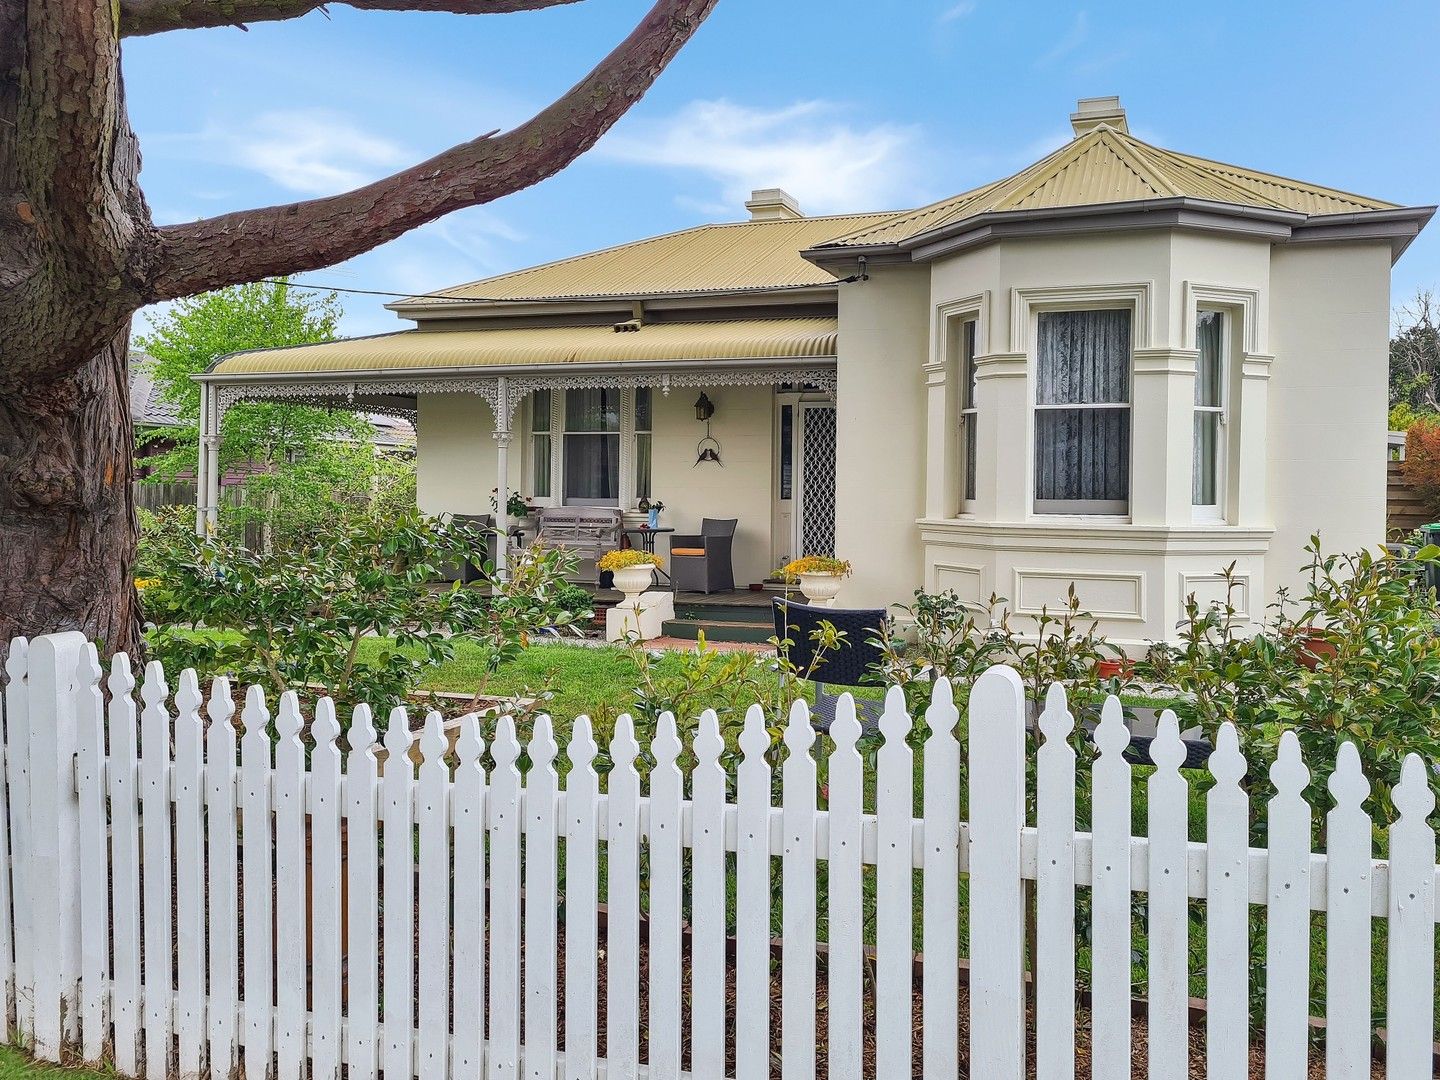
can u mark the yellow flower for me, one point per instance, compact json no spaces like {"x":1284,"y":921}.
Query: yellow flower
{"x":145,"y":583}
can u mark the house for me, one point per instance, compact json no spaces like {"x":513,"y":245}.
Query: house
{"x":1123,"y":367}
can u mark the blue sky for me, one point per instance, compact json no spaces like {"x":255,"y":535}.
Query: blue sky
{"x":850,"y":104}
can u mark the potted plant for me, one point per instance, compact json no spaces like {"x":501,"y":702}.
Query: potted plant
{"x":517,"y":508}
{"x":653,"y":510}
{"x":633,"y":569}
{"x":819,"y":577}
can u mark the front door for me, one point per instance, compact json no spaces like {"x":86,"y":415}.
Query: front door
{"x":815,"y":480}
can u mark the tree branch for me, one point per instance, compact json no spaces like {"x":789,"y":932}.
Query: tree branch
{"x":253,"y":244}
{"x":140,"y":17}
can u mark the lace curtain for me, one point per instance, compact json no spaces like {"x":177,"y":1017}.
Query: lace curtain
{"x":1082,"y":417}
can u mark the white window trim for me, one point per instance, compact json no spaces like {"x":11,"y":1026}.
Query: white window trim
{"x":1026,"y":308}
{"x":1216,"y":513}
{"x":967,"y":415}
{"x":945,"y":370}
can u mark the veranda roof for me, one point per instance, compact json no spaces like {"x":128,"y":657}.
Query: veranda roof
{"x":544,"y":347}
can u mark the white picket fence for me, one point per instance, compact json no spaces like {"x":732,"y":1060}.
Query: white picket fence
{"x":159,"y":877}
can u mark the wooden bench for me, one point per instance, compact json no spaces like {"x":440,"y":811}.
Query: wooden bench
{"x":588,"y":531}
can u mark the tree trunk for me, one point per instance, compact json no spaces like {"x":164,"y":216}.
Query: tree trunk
{"x":67,"y":514}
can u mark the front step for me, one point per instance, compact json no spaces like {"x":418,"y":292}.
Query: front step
{"x":720,"y":629}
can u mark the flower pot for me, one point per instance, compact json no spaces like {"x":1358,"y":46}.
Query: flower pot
{"x":634,"y":580}
{"x":1311,"y":646}
{"x":654,"y":518}
{"x":1115,"y":669}
{"x":821,"y":589}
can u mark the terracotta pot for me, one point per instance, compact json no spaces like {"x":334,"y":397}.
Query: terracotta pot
{"x":1114,"y":669}
{"x":1311,"y":646}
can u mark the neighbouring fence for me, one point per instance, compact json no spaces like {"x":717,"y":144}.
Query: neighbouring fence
{"x":190,"y":898}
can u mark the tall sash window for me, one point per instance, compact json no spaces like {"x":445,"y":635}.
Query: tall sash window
{"x":592,"y":447}
{"x":1207,"y":483}
{"x":967,"y":411}
{"x":540,"y":445}
{"x":1082,"y":412}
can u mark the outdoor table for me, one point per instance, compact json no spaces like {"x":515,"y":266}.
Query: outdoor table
{"x":647,"y":544}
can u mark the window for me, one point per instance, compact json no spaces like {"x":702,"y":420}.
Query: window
{"x":787,"y":451}
{"x":540,"y":447}
{"x":1082,"y":412}
{"x":642,"y":442}
{"x":591,"y":451}
{"x":967,"y":410}
{"x":1207,"y":484}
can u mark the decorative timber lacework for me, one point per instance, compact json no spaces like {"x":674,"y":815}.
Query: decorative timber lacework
{"x":817,"y":523}
{"x":342,"y":393}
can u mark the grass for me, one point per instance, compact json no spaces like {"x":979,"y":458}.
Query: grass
{"x":15,"y":1062}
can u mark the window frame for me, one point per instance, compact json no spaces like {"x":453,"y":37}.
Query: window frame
{"x":966,"y":411}
{"x":1107,"y":509}
{"x":1216,"y":512}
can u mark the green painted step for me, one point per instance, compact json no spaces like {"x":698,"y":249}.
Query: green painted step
{"x":691,"y":611}
{"x":719,"y":630}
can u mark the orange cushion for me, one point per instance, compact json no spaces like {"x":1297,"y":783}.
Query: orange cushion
{"x":687,"y":551}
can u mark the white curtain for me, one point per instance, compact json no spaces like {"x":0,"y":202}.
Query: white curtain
{"x":1082,"y":454}
{"x":1209,"y":388}
{"x":592,"y":446}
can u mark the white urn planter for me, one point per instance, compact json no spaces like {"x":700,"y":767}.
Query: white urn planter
{"x":821,"y":589}
{"x":634,"y":580}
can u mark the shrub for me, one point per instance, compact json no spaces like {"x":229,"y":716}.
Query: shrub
{"x":1421,"y":467}
{"x":626,"y":557}
{"x":296,"y":620}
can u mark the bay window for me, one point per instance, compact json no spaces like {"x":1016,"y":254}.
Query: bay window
{"x":1207,"y":482}
{"x":1082,"y":412}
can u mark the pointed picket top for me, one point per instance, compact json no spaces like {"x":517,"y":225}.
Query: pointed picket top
{"x":122,"y":679}
{"x":941,"y":714}
{"x":188,"y":698}
{"x":1412,"y":796}
{"x":582,"y":749}
{"x":222,"y":702}
{"x":433,"y":743}
{"x":543,"y":747}
{"x":362,"y":729}
{"x":799,"y":732}
{"x":287,"y":720}
{"x":845,"y":728}
{"x":17,"y":659}
{"x":1111,"y":735}
{"x":708,"y":743}
{"x":88,"y":672}
{"x":1166,"y":750}
{"x":895,"y":721}
{"x":623,"y":747}
{"x":155,"y":690}
{"x":1055,"y":721}
{"x":754,"y":739}
{"x":255,"y":716}
{"x":505,"y":748}
{"x":1347,"y":784}
{"x":666,"y":745}
{"x":326,"y":726}
{"x":468,"y":744}
{"x":1227,"y":764}
{"x":398,"y":737}
{"x":1288,"y":772}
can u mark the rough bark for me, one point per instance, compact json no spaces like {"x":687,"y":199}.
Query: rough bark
{"x":139,"y":17}
{"x":79,"y":254}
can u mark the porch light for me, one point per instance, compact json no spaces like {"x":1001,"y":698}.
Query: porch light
{"x":704,"y":407}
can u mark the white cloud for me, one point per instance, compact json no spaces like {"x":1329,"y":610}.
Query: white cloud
{"x":955,"y":12}
{"x":310,"y":151}
{"x":809,"y":148}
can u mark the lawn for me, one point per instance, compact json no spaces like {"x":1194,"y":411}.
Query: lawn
{"x":16,"y":1062}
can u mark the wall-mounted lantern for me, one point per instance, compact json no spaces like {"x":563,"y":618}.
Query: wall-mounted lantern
{"x":704,"y":407}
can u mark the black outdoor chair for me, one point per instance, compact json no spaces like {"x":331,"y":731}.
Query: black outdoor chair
{"x":484,"y":526}
{"x":700,"y":562}
{"x":851,"y":663}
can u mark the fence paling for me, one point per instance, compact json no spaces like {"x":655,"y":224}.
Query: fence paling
{"x":184,"y":1018}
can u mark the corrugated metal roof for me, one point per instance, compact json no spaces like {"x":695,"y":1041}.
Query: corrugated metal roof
{"x":738,"y":339}
{"x":1105,"y":165}
{"x":710,"y":258}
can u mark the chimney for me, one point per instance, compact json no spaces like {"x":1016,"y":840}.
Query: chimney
{"x":773,"y":204}
{"x":1091,"y":112}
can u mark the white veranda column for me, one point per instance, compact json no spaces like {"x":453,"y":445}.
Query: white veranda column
{"x":202,"y":466}
{"x":502,"y":484}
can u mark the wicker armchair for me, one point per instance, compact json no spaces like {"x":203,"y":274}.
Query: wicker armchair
{"x":850,"y":664}
{"x":701,"y":562}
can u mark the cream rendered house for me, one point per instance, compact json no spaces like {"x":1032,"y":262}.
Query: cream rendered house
{"x":1123,"y":367}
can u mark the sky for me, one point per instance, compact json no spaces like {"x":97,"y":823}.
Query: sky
{"x":851,"y":105}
